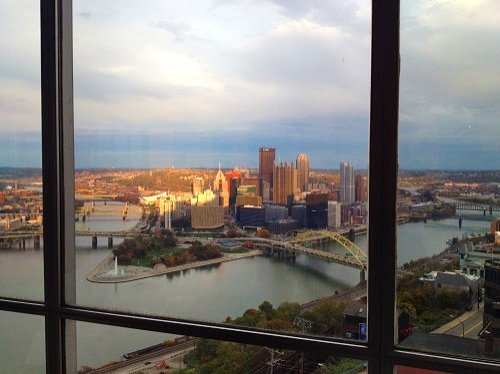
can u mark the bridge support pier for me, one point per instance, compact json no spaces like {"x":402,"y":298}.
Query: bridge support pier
{"x":94,"y":242}
{"x":362,"y":277}
{"x":24,"y":243}
{"x":110,"y":242}
{"x":36,"y":242}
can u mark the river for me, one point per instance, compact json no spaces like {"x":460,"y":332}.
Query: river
{"x":207,"y":294}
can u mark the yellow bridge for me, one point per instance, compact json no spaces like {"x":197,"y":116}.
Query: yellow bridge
{"x":353,"y":251}
{"x":355,"y":257}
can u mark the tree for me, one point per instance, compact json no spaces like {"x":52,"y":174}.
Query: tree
{"x":325,"y":316}
{"x":263,"y":233}
{"x":267,"y":308}
{"x":288,"y":311}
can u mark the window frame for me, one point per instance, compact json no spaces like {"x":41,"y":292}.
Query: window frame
{"x":58,"y":198}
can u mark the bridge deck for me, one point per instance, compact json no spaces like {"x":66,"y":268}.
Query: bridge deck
{"x":326,"y":256}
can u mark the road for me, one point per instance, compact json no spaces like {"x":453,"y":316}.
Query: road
{"x":466,"y":325}
{"x":146,"y":363}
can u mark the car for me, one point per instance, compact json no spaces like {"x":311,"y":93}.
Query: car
{"x":147,"y":363}
{"x":161,"y":364}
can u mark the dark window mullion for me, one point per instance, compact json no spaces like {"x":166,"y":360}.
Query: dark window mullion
{"x":22,"y":306}
{"x":383,"y":181}
{"x":51,"y":183}
{"x":57,"y":155}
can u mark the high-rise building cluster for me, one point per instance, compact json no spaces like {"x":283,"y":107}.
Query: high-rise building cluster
{"x":280,"y":196}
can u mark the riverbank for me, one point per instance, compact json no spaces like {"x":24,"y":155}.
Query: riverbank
{"x":105,"y":272}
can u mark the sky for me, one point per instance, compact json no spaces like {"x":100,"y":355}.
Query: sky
{"x":194,"y":83}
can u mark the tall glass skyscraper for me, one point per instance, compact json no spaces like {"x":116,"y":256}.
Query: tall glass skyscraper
{"x":347,"y":186}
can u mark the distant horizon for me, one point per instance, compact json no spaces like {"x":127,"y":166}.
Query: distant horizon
{"x":152,"y":151}
{"x":249,"y":168}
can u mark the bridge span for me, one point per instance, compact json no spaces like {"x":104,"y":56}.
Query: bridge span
{"x":486,"y":208}
{"x":354,"y":257}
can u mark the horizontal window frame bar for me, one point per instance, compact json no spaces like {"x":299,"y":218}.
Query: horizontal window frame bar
{"x":236,"y":334}
{"x":439,"y":362}
{"x":22,"y":306}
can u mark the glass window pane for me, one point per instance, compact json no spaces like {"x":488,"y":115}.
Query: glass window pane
{"x":409,"y":370}
{"x":116,"y":349}
{"x":210,"y":142}
{"x":21,"y":211}
{"x":22,"y":343}
{"x":448,"y":196}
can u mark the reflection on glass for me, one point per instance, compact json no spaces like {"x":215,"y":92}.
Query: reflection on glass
{"x":409,"y":370}
{"x":21,"y":212}
{"x":144,"y":351}
{"x":211,"y":179}
{"x":22,"y":348}
{"x":448,"y":196}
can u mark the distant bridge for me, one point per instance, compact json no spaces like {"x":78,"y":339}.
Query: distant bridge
{"x":355,"y":257}
{"x":310,"y":236}
{"x":474,"y":217}
{"x":27,"y":234}
{"x":20,"y":215}
{"x":485,"y":208}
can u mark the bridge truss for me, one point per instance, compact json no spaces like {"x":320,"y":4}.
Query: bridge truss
{"x":308,"y":236}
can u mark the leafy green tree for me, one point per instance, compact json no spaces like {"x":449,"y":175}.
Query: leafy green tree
{"x":326,"y":316}
{"x":267,"y":308}
{"x":288,"y":311}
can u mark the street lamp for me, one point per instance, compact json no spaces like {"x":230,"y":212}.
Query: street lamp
{"x":463,"y":325}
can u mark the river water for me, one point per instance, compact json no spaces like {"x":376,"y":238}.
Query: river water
{"x":207,"y":294}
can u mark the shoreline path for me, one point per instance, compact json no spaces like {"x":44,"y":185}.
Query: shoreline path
{"x":103,"y":272}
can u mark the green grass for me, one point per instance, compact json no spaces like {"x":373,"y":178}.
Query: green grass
{"x":204,"y":234}
{"x":151,"y":255}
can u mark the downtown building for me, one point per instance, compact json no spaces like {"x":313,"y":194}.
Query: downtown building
{"x":285,"y":183}
{"x":491,"y":314}
{"x":197,"y":186}
{"x":317,"y":210}
{"x":220,"y":187}
{"x":302,"y":166}
{"x":267,"y":156}
{"x":347,"y":185}
{"x":361,"y":183}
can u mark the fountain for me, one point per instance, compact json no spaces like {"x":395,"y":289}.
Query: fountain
{"x":115,"y":273}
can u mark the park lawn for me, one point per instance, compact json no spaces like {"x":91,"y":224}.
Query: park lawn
{"x":233,"y":250}
{"x":151,"y":255}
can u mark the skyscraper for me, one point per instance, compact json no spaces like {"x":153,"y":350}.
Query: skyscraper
{"x":285,"y":182}
{"x":302,"y":165}
{"x":197,"y":186}
{"x":221,"y":188}
{"x":266,"y":164}
{"x":347,"y":193}
{"x":361,"y":188}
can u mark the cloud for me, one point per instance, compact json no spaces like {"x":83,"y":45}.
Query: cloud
{"x":450,"y":77}
{"x":176,"y":28}
{"x":281,"y":69}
